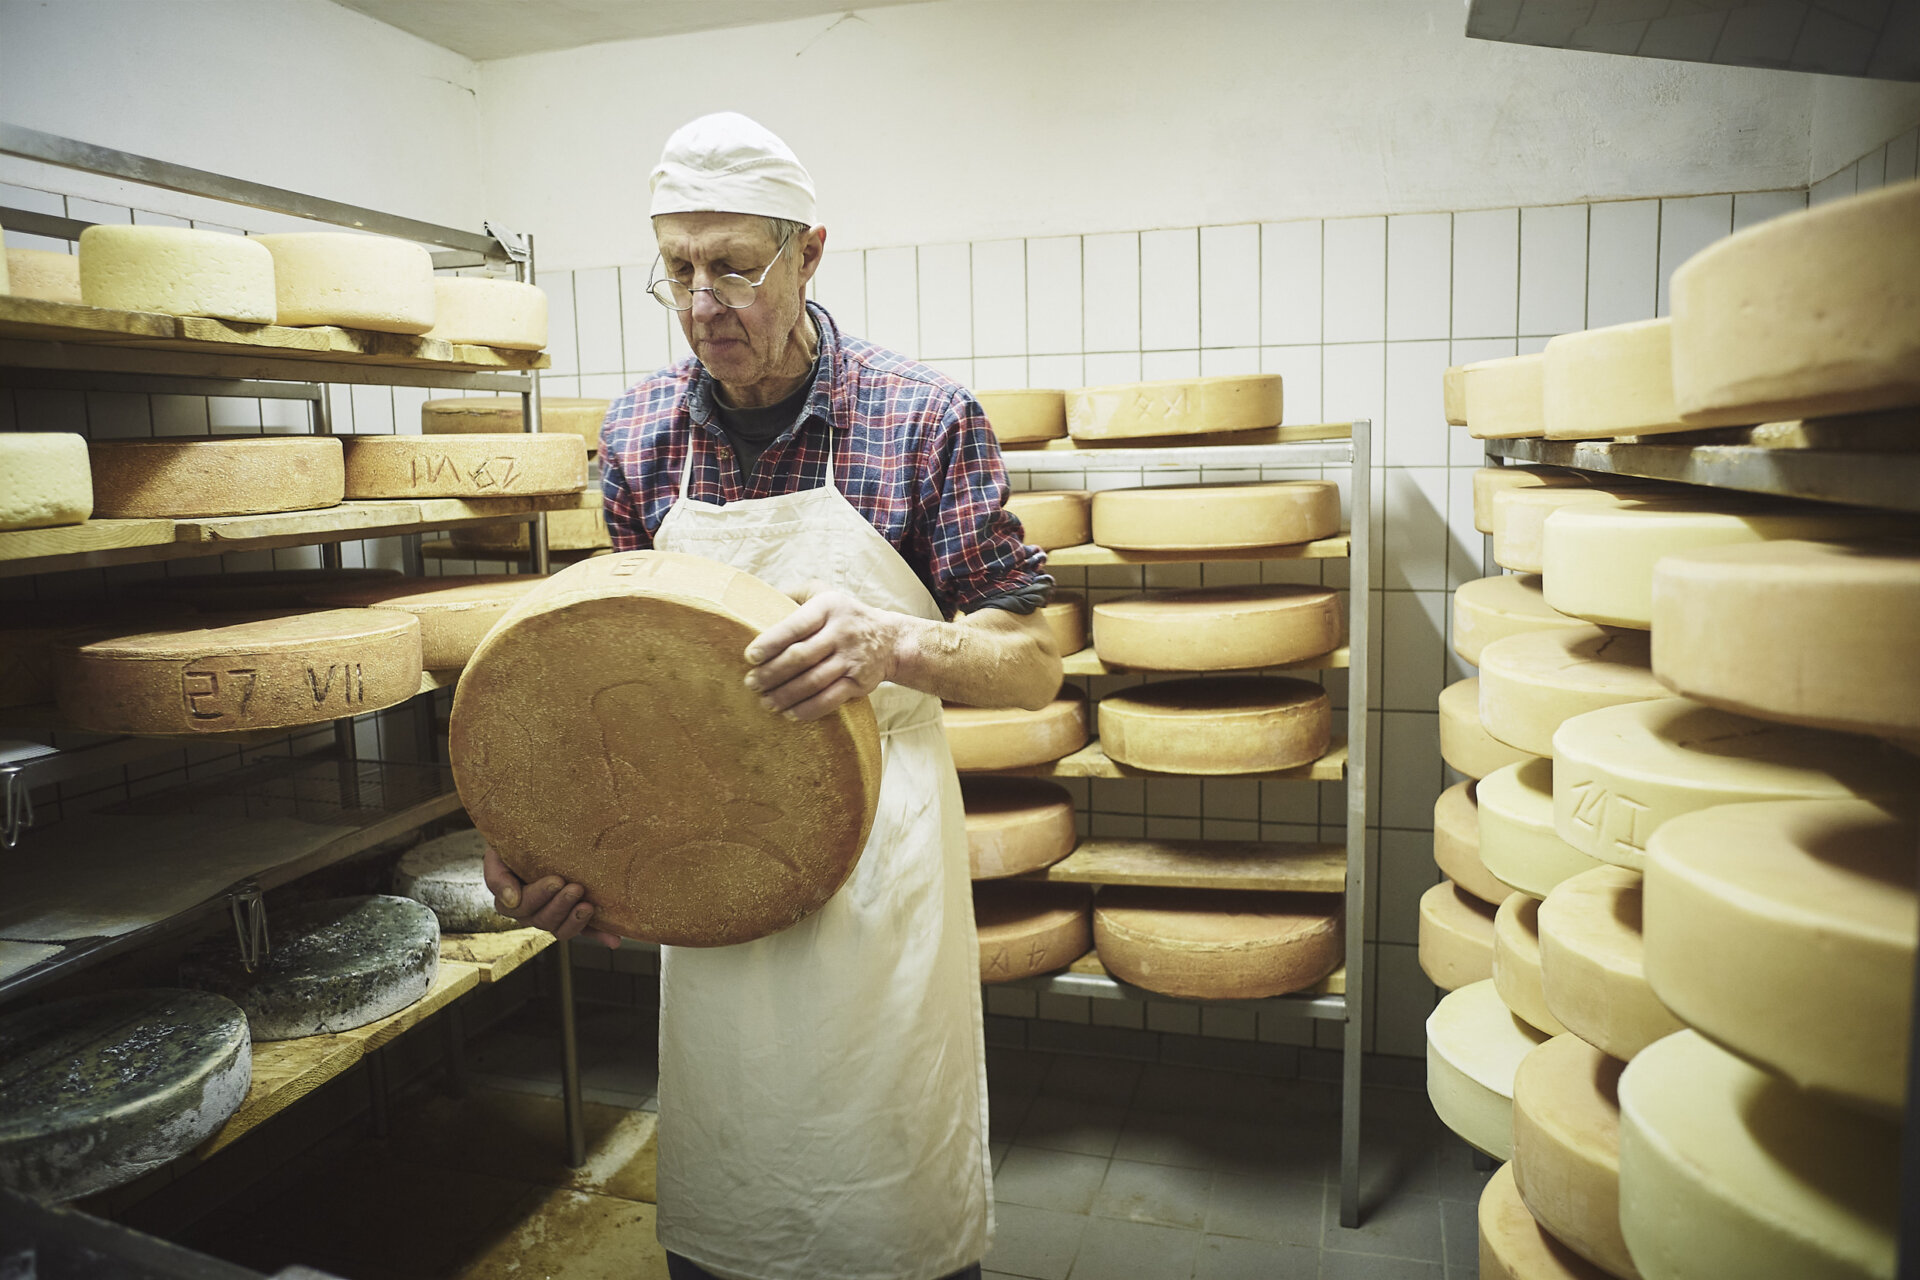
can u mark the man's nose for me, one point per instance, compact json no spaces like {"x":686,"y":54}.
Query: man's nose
{"x":707,"y":308}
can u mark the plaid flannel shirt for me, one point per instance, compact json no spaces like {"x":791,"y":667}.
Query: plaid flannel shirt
{"x":911,"y":451}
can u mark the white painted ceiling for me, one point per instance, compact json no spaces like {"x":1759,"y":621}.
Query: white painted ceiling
{"x":483,"y":29}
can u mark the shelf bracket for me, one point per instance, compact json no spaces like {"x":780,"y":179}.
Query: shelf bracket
{"x":512,"y":243}
{"x":249,"y":907}
{"x":16,"y":807}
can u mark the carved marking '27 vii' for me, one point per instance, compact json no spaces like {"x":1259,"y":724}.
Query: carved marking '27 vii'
{"x":353,"y":684}
{"x":209,"y":695}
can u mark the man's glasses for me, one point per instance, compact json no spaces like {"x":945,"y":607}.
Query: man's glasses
{"x":731,"y":290}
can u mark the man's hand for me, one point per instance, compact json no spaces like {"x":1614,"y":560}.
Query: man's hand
{"x":829,"y":651}
{"x":551,"y":904}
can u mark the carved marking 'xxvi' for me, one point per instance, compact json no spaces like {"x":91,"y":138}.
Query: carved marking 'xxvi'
{"x":487,"y":473}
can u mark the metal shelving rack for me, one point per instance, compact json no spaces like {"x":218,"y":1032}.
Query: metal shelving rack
{"x":1342,"y":999}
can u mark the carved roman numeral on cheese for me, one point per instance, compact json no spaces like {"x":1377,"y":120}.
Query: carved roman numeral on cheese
{"x":1027,"y":927}
{"x":353,"y":683}
{"x":463,"y":466}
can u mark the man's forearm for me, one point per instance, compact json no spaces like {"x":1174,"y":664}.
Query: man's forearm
{"x":990,"y":659}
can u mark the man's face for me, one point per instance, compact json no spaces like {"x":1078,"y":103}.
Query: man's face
{"x":753,"y":344}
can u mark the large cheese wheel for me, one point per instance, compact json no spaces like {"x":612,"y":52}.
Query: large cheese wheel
{"x":1591,"y":963}
{"x":1465,"y":744}
{"x":1531,"y":684}
{"x":1489,"y":609}
{"x":1179,"y":407}
{"x":559,"y":415}
{"x":1217,"y":944}
{"x":28,"y":638}
{"x":1216,"y":517}
{"x":988,"y":738}
{"x":689,"y":813}
{"x":1812,"y":633}
{"x":261,"y":589}
{"x":1053,"y":518}
{"x":1233,"y":724}
{"x":1216,"y":628}
{"x":1812,"y":314}
{"x":1518,"y":841}
{"x":1516,"y":962}
{"x":355,"y":281}
{"x":1513,"y":1244}
{"x":236,"y":476}
{"x":1066,"y":617}
{"x":1616,"y":381}
{"x":1566,"y":1148}
{"x":1622,"y":772}
{"x":445,"y":875}
{"x":103,"y":1088}
{"x":1520,"y":517}
{"x":492,"y":313}
{"x":232,"y":673}
{"x":177,"y":271}
{"x":45,"y":479}
{"x":1016,"y":825}
{"x":1453,"y":395}
{"x":455,"y":613}
{"x":1786,"y":932}
{"x":43,"y":273}
{"x":566,"y":531}
{"x":1025,"y":415}
{"x":1504,"y":398}
{"x":1728,"y":1171}
{"x":1456,"y":844}
{"x":1491,"y":481}
{"x":473,"y":466}
{"x":1456,"y":937}
{"x":1474,"y":1047}
{"x":1029,"y":929}
{"x":335,"y":965}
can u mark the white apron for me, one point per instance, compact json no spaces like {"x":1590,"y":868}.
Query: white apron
{"x":823,"y":1093}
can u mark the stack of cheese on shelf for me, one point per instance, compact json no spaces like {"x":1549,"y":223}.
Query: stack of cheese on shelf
{"x":1179,"y":411}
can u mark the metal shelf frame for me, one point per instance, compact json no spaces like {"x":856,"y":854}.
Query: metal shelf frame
{"x":1885,"y":480}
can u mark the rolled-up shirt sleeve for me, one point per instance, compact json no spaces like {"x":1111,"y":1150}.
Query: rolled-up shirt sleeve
{"x":975,"y":552}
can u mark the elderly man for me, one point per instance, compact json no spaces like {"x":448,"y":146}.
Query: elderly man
{"x":822,"y":1091}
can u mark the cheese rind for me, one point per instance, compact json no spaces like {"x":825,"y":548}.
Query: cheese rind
{"x":1028,"y":929}
{"x":491,"y":313}
{"x":1216,"y":628}
{"x":455,"y":613}
{"x":1488,"y":482}
{"x":1511,"y":604}
{"x":1504,"y":398}
{"x":1516,"y":962}
{"x":42,"y":273}
{"x":1217,"y":944}
{"x":354,"y":281}
{"x":1053,"y":518}
{"x":45,"y":479}
{"x":1566,"y":1149}
{"x":1456,"y":844}
{"x":986,"y":738}
{"x":1025,"y":415}
{"x":1513,"y":1244}
{"x":1591,"y":965}
{"x":470,"y":466}
{"x":1226,"y":725}
{"x":1456,"y":937}
{"x":1520,"y":517}
{"x":252,"y":475}
{"x":445,"y":875}
{"x":177,"y":271}
{"x":1219,"y":517}
{"x":1184,"y":406}
{"x":566,"y":531}
{"x":1016,"y":825}
{"x":1518,"y":841}
{"x":1465,"y":744}
{"x":1066,"y":617}
{"x":1474,"y":1048}
{"x":559,"y":415}
{"x":1453,"y":395}
{"x":1616,"y":381}
{"x":1531,"y":684}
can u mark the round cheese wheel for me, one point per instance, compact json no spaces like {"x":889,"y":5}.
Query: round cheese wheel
{"x":491,"y":313}
{"x":230,"y":673}
{"x":1488,"y":482}
{"x":45,"y":479}
{"x":471,"y":466}
{"x":28,"y":639}
{"x":1465,"y":744}
{"x":1178,"y":407}
{"x":566,"y":531}
{"x":1456,"y":937}
{"x":1025,"y":415}
{"x":1053,"y":518}
{"x":261,"y":589}
{"x":1453,"y":395}
{"x":177,"y":271}
{"x":1456,"y":844}
{"x":1016,"y":825}
{"x":1516,"y":962}
{"x":1218,"y":517}
{"x":455,"y":613}
{"x":1518,"y":841}
{"x":689,"y":813}
{"x":446,"y":875}
{"x":248,"y":475}
{"x":1728,"y":1171}
{"x":1785,"y":931}
{"x":1812,"y":633}
{"x":1520,"y":517}
{"x":1217,"y":944}
{"x":354,"y":281}
{"x":43,"y":273}
{"x":1489,"y":609}
{"x":1504,"y":399}
{"x":1233,"y":724}
{"x":1621,"y":773}
{"x":1616,"y":381}
{"x":1216,"y":628}
{"x":1029,"y":929}
{"x":1513,"y":1244}
{"x":988,"y":738}
{"x":1566,"y":1148}
{"x":1474,"y":1047}
{"x":559,"y":415}
{"x":1532,"y":684}
{"x":1805,"y":316}
{"x":1066,"y":618}
{"x":1591,"y":963}
{"x":103,"y":1088}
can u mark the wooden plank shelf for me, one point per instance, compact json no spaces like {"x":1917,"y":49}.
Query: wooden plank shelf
{"x":1204,"y":864}
{"x":494,"y":955}
{"x":1091,"y":762}
{"x":1286,"y":433}
{"x":1090,"y":555}
{"x":1087,"y":663}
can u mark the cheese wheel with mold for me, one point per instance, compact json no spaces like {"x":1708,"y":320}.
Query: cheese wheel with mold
{"x":1066,"y":617}
{"x":1052,"y":518}
{"x":983,"y":739}
{"x":1511,"y":604}
{"x":471,"y":466}
{"x":1176,"y":407}
{"x":1812,"y":633}
{"x":1456,"y":844}
{"x":1465,"y":744}
{"x":1518,"y":841}
{"x":1491,"y":481}
{"x":1218,"y":517}
{"x":1217,"y":944}
{"x":1726,"y":1170}
{"x":43,"y":273}
{"x":559,"y":415}
{"x":455,"y":613}
{"x":1453,"y":395}
{"x":1616,"y":381}
{"x":1016,"y":825}
{"x":1504,"y":399}
{"x":1028,"y":929}
{"x":1532,"y":684}
{"x":1025,"y":415}
{"x":445,"y":874}
{"x":704,"y":819}
{"x":103,"y":1088}
{"x":1516,"y":962}
{"x":1226,"y":725}
{"x":1621,"y":773}
{"x":45,"y":479}
{"x":234,"y":673}
{"x":583,"y":530}
{"x":1520,"y":517}
{"x":1513,"y":1244}
{"x":202,"y":477}
{"x":1566,"y":1148}
{"x":1456,"y":937}
{"x":1591,"y":963}
{"x":354,"y":281}
{"x":1234,"y":628}
{"x":177,"y":271}
{"x":1474,"y":1048}
{"x":1803,"y":316}
{"x":335,"y":965}
{"x":1785,"y":931}
{"x":489,"y":313}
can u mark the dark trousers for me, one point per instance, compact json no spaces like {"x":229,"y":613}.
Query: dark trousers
{"x":678,"y":1268}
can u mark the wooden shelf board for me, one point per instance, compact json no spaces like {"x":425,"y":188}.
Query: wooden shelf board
{"x":1087,"y":663}
{"x":1091,"y":762}
{"x":443,"y":549}
{"x":1334,"y":984}
{"x":1286,"y":433}
{"x":1090,"y":555}
{"x":1205,"y":864}
{"x":494,"y":955}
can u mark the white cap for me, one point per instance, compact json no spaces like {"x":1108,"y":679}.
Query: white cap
{"x":726,"y":163}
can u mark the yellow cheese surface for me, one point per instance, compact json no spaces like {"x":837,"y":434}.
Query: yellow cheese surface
{"x":577,"y":415}
{"x":1520,"y":517}
{"x":1566,"y":1149}
{"x":986,"y":738}
{"x":465,"y":466}
{"x":1456,"y":937}
{"x":1016,"y":825}
{"x":1531,"y":684}
{"x":1514,"y":1246}
{"x":355,"y":281}
{"x":1025,"y":415}
{"x":1053,"y":518}
{"x":1518,"y":841}
{"x":1616,"y":381}
{"x":1474,"y":1048}
{"x":1180,"y":407}
{"x":491,"y":313}
{"x":45,"y":479}
{"x":1465,"y":744}
{"x":566,"y":531}
{"x":1453,"y":395}
{"x":1217,"y":944}
{"x":177,"y":271}
{"x":1510,"y":604}
{"x":1489,"y":481}
{"x":1516,"y":962}
{"x":1219,"y":517}
{"x":215,"y":476}
{"x":1217,"y":628}
{"x":1223,"y":725}
{"x":1504,"y":398}
{"x":1591,"y":963}
{"x":1456,"y":844}
{"x":42,"y":273}
{"x":455,"y":613}
{"x":1029,"y":929}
